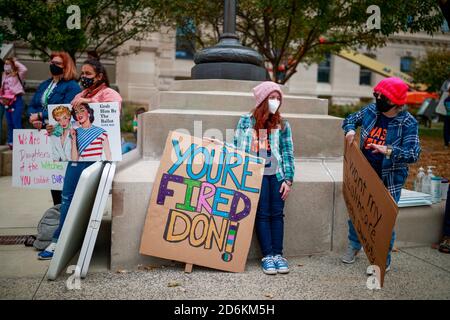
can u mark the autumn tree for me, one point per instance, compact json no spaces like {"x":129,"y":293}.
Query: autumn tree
{"x":104,"y":24}
{"x":432,"y":69}
{"x":289,"y":32}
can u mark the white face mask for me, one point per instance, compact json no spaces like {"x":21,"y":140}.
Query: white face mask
{"x":7,"y":68}
{"x":273,"y":105}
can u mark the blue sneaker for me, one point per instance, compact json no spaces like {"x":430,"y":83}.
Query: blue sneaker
{"x":281,"y":264}
{"x":268,"y":265}
{"x":47,"y":254}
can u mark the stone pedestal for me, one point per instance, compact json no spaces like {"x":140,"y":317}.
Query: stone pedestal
{"x":213,"y":107}
{"x":315,"y":213}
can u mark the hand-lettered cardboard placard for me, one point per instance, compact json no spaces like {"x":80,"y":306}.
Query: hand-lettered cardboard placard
{"x":370,"y":206}
{"x":33,"y":166}
{"x":95,"y":128}
{"x":203,"y":204}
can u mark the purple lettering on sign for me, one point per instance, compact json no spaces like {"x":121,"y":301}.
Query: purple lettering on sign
{"x":234,"y":205}
{"x":163,"y":191}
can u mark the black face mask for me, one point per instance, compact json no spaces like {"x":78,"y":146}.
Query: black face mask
{"x":87,"y":82}
{"x":55,"y":70}
{"x":383,"y":105}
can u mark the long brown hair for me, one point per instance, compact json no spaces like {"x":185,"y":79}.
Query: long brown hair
{"x":70,"y":70}
{"x":14,"y":69}
{"x":266,"y":120}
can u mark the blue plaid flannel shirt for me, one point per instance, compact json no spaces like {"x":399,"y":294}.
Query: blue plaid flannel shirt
{"x":402,"y":135}
{"x":280,"y":141}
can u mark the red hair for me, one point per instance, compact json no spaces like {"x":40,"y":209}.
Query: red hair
{"x":70,"y":70}
{"x":266,"y":120}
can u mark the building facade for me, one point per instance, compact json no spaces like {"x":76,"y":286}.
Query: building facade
{"x":161,"y":60}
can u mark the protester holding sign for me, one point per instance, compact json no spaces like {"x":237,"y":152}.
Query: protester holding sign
{"x":11,"y":91}
{"x":95,"y":81}
{"x":90,"y":143}
{"x":263,"y":132}
{"x":61,"y":88}
{"x":389,"y":141}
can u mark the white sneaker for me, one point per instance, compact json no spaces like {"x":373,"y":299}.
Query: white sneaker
{"x":369,"y":271}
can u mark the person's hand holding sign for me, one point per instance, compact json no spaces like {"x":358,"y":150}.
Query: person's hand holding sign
{"x":49,"y":129}
{"x":350,"y":137}
{"x":37,"y":125}
{"x":377,"y":148}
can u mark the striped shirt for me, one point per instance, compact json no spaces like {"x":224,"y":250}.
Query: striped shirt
{"x":94,"y":151}
{"x":90,"y":143}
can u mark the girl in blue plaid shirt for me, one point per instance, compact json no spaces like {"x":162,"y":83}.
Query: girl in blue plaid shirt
{"x":264,"y":133}
{"x":389,"y":141}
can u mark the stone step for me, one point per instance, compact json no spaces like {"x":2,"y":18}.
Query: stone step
{"x":234,"y":101}
{"x":217,"y":85}
{"x":313,"y":135}
{"x":315,"y":213}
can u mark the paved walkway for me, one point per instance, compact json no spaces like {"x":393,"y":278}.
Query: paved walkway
{"x":417,"y":273}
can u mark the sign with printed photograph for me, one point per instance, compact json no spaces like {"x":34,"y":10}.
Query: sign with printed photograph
{"x":86,"y":132}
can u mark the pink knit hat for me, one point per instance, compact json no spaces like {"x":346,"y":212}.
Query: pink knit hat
{"x":264,"y":89}
{"x":394,"y":89}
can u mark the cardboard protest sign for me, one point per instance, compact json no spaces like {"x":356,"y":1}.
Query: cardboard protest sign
{"x":88,"y":132}
{"x":203,"y":204}
{"x":370,"y":206}
{"x":33,"y":166}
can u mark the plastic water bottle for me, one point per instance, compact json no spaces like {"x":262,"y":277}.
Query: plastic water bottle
{"x":436,"y":189}
{"x":419,"y":180}
{"x":426,"y":184}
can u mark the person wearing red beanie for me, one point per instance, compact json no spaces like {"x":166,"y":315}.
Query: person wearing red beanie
{"x":389,"y":140}
{"x":266,"y":134}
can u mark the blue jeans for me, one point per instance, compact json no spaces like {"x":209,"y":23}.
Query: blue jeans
{"x":73,"y":174}
{"x":354,"y":241}
{"x":269,"y":217}
{"x":127,"y":147}
{"x":446,"y":130}
{"x":447,"y":215}
{"x":2,"y":112}
{"x":14,"y":119}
